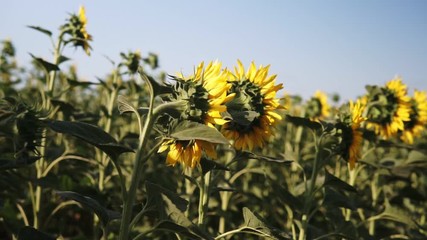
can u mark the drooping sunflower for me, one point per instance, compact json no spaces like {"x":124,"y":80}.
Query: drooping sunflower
{"x":318,"y":107}
{"x":252,"y":111}
{"x":418,"y":117}
{"x":388,"y":108}
{"x":206,"y":95}
{"x":187,"y":153}
{"x":350,"y":135}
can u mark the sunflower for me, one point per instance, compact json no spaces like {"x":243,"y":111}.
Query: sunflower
{"x":252,"y":111}
{"x":350,"y":135}
{"x":388,"y":108}
{"x":76,"y":27}
{"x":318,"y":107}
{"x":206,"y":93}
{"x":85,"y":36}
{"x":418,"y":117}
{"x":187,"y":153}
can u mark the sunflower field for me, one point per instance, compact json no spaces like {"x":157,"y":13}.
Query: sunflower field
{"x":220,"y":153}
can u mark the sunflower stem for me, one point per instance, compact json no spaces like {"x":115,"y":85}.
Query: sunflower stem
{"x":225,"y":195}
{"x":140,"y":159}
{"x":308,"y":201}
{"x":204,"y":197}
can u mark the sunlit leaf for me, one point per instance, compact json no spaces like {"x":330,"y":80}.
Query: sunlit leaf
{"x":104,"y":214}
{"x":187,"y":130}
{"x":91,"y":134}
{"x":125,"y":106}
{"x":396,"y":214}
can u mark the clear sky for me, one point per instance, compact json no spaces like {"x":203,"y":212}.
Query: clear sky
{"x":331,"y":45}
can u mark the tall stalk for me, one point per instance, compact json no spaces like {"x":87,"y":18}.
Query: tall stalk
{"x":41,"y":163}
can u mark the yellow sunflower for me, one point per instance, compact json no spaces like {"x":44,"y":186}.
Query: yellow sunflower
{"x":318,"y":107}
{"x":418,"y":117}
{"x":187,"y":153}
{"x":389,"y":107}
{"x":350,"y":135}
{"x":252,"y":111}
{"x":76,"y":28}
{"x":356,"y":143}
{"x":83,"y":32}
{"x":206,"y":93}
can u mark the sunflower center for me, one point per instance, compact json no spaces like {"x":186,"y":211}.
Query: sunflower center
{"x":197,"y":99}
{"x":246,"y":107}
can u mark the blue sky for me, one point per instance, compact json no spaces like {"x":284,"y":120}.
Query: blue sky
{"x":332,"y":45}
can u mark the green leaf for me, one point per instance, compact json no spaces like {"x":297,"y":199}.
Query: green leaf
{"x":154,"y":197}
{"x":42,"y":30}
{"x":46,"y":65}
{"x":125,"y":106}
{"x":167,"y":225}
{"x":154,"y":86}
{"x":396,"y":214}
{"x":337,"y":184}
{"x":288,"y":198}
{"x":91,"y":134}
{"x":30,"y":233}
{"x":187,"y":130}
{"x":21,"y":161}
{"x":104,"y":214}
{"x":416,"y":157}
{"x":246,"y":155}
{"x":84,"y":84}
{"x":254,"y":223}
{"x":170,"y":208}
{"x":338,"y":199}
{"x":62,"y":59}
{"x":299,"y":121}
{"x":208,"y":165}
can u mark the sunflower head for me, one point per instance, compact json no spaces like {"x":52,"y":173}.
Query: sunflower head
{"x":76,"y":28}
{"x":23,"y":123}
{"x":252,"y":111}
{"x":205,"y":93}
{"x":318,"y":107}
{"x":187,"y":153}
{"x":348,"y":134}
{"x":387,"y":108}
{"x":417,"y":119}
